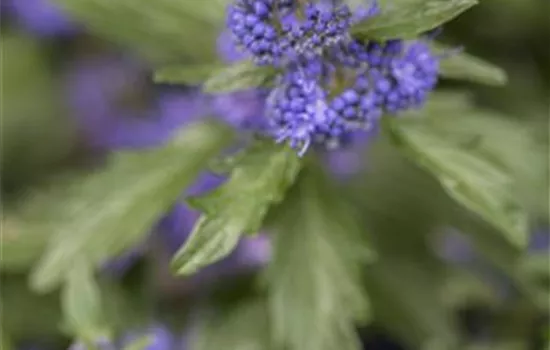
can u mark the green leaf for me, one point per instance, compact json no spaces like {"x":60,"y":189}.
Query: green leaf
{"x":537,"y":264}
{"x":408,"y":19}
{"x":27,"y":77}
{"x":239,"y":76}
{"x":258,"y":181}
{"x":166,"y":30}
{"x":21,"y":248}
{"x":20,"y":308}
{"x":142,"y":343}
{"x":314,"y":279}
{"x":463,"y":66}
{"x":99,"y":216}
{"x":185,"y":74}
{"x":82,"y":305}
{"x":468,"y":174}
{"x":5,"y":341}
{"x":406,"y":301}
{"x":242,"y":326}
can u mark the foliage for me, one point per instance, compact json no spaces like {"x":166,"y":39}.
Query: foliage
{"x":345,"y":253}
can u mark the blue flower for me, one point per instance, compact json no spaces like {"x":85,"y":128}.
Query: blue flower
{"x":41,"y":17}
{"x":109,"y":99}
{"x":160,"y":338}
{"x":331,"y":85}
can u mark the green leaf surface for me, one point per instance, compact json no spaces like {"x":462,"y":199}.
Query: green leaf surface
{"x":98,"y":216}
{"x":314,"y":280}
{"x":408,"y":19}
{"x":239,"y":76}
{"x":21,"y":248}
{"x":164,"y":30}
{"x":35,"y":136}
{"x":5,"y":342}
{"x":185,"y":74}
{"x":242,"y":326}
{"x":463,"y":66}
{"x":142,"y":343}
{"x":405,"y":299}
{"x":468,"y":174}
{"x":82,"y":305}
{"x":25,"y":314}
{"x":238,"y":207}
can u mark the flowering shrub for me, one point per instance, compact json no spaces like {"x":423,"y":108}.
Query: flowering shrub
{"x":260,"y":174}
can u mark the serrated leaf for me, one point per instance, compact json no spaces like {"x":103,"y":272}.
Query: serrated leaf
{"x":239,"y":76}
{"x":100,"y":215}
{"x":408,"y":19}
{"x":242,"y":326}
{"x":258,"y":181}
{"x":463,"y":66}
{"x":81,"y":303}
{"x":314,"y":279}
{"x":470,"y":176}
{"x":185,"y":74}
{"x":166,"y":30}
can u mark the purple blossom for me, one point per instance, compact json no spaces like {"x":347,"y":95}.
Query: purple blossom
{"x":540,"y":241}
{"x":160,"y":338}
{"x":107,"y":96}
{"x":42,"y":17}
{"x":227,"y":50}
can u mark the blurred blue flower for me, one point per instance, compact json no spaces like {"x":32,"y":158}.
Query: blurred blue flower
{"x":540,"y":240}
{"x":110,"y":100}
{"x":41,"y":17}
{"x":159,"y":338}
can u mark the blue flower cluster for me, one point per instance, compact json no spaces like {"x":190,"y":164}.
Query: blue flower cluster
{"x":331,"y":84}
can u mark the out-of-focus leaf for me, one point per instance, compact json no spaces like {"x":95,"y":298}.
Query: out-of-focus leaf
{"x":537,"y":264}
{"x":242,"y":326}
{"x":462,"y":286}
{"x":5,"y":341}
{"x":20,"y":248}
{"x":401,"y":205}
{"x":142,"y":343}
{"x":405,"y":299}
{"x":506,"y":144}
{"x":96,"y":217}
{"x":164,"y":30}
{"x":35,"y":133}
{"x":185,"y":74}
{"x":505,"y":141}
{"x":82,"y":305}
{"x":407,"y":19}
{"x":469,"y":175}
{"x":502,"y":345}
{"x":463,"y":66}
{"x":257,"y":181}
{"x":239,"y":76}
{"x":25,"y":314}
{"x":315,"y":291}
